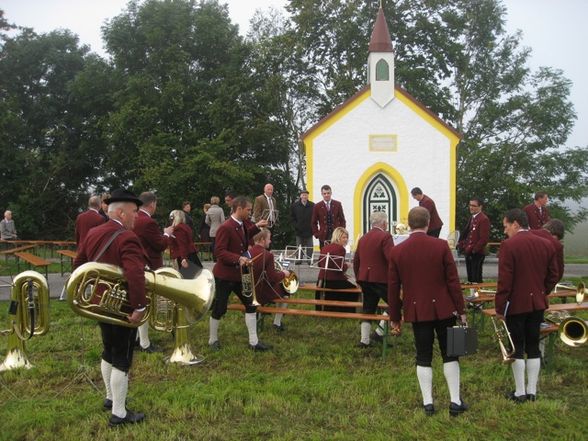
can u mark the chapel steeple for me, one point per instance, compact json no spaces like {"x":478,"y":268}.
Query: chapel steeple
{"x":381,"y":62}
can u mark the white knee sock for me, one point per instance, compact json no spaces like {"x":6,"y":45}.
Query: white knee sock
{"x":381,"y":326}
{"x":533,"y":367}
{"x":213,"y":330}
{"x":451,"y":372}
{"x":278,"y":316}
{"x":144,"y":335}
{"x":106,"y":369}
{"x":366,"y":328}
{"x":518,"y":371}
{"x":251,"y":323}
{"x":425,"y":376}
{"x":119,"y":382}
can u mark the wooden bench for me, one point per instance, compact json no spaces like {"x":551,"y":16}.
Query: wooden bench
{"x":67,"y":253}
{"x":310,"y":287}
{"x":323,"y":314}
{"x":13,"y":251}
{"x":33,"y":260}
{"x":204,"y":247}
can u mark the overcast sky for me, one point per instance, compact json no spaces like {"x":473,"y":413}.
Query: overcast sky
{"x":555,"y":30}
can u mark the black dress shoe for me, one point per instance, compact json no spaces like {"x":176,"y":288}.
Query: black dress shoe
{"x":130,"y":418}
{"x":531,"y":397}
{"x":260,"y":347}
{"x":363,"y":345}
{"x":215,"y":346}
{"x":429,"y":409}
{"x":151,"y":349}
{"x":456,"y":409}
{"x":107,"y":404}
{"x":376,"y":337}
{"x":279,"y":328}
{"x":517,"y":399}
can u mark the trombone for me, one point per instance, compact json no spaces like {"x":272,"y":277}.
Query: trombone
{"x":505,"y":342}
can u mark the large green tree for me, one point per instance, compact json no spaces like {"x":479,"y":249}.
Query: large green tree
{"x":457,"y":58}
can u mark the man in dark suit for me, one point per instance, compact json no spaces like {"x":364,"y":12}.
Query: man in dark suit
{"x":554,"y":232}
{"x":154,"y":243}
{"x":231,"y":251}
{"x":187,"y":209}
{"x":301,"y":213}
{"x":264,"y":206}
{"x":474,"y":239}
{"x":370,"y":264}
{"x":425,"y":201}
{"x":527,"y":272}
{"x":88,"y":219}
{"x":326,"y":216}
{"x":537,"y":212}
{"x":423,"y":267}
{"x":126,"y":252}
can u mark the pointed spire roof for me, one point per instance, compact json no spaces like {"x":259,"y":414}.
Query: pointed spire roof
{"x":380,"y":41}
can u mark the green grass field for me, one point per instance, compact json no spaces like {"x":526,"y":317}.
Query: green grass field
{"x":314,"y":385}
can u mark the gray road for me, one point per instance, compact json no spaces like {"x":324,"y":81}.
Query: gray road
{"x":307,"y":274}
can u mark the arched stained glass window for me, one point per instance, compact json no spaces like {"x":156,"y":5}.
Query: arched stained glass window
{"x":382,"y":70}
{"x":379,"y":195}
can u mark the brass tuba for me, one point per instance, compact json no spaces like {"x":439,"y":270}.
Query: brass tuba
{"x":289,"y":283}
{"x":573,"y":331}
{"x":98,"y":291}
{"x":28,"y":314}
{"x":507,"y":348}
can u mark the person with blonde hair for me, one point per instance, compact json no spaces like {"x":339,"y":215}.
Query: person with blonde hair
{"x":332,"y":271}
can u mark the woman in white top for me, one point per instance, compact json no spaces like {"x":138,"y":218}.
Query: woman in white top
{"x":214,"y":217}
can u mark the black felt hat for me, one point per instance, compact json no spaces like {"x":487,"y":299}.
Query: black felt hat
{"x":122,"y":195}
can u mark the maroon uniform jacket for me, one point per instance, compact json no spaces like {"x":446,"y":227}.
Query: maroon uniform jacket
{"x":527,"y":272}
{"x":232,"y":241}
{"x":370,"y":262}
{"x":182,"y":244}
{"x":537,"y":218}
{"x":86,"y":221}
{"x":333,"y":249}
{"x":125,"y":251}
{"x":557,"y":246}
{"x":319,"y":218}
{"x":435,"y":221}
{"x":476,"y":235}
{"x":267,"y":278}
{"x":153,"y":240}
{"x":425,"y":270}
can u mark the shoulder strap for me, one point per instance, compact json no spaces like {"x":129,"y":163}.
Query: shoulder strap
{"x":107,"y":244}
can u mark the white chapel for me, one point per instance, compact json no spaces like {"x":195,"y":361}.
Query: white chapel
{"x":378,"y":145}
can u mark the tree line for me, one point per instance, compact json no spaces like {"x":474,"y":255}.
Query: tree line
{"x":185,"y":106}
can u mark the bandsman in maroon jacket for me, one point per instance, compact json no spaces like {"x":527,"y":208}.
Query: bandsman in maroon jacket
{"x":537,"y":212}
{"x":268,"y":286}
{"x":370,"y":264}
{"x":154,"y":243}
{"x":327,"y":215}
{"x":231,"y":251}
{"x":423,"y":267}
{"x":126,"y":252}
{"x":474,"y":239}
{"x":425,"y":201}
{"x":554,"y":232}
{"x":88,"y":219}
{"x":527,"y":272}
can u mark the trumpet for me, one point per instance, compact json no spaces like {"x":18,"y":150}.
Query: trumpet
{"x":248,"y":282}
{"x":505,"y":342}
{"x":29,"y":316}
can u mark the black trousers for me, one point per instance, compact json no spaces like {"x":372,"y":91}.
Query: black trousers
{"x":424,"y":337}
{"x":525,"y":333}
{"x":372,"y":293}
{"x":118,"y":344}
{"x":474,"y":263}
{"x":224,"y":288}
{"x":328,"y":295}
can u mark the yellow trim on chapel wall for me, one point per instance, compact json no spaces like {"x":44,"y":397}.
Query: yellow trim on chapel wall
{"x":394,"y":176}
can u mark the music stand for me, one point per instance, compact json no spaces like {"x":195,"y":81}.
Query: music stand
{"x":271,"y":216}
{"x":324,"y":260}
